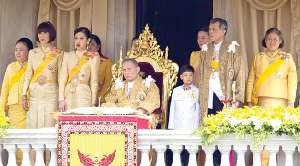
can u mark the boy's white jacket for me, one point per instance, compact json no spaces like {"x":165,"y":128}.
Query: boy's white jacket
{"x":184,"y":109}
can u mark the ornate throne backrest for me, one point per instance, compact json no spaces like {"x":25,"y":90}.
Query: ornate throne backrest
{"x":154,"y":62}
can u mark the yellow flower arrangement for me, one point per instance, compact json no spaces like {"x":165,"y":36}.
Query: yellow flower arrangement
{"x":4,"y":124}
{"x":256,"y":121}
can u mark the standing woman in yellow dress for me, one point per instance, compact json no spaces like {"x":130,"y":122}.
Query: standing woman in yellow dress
{"x":78,"y":81}
{"x":105,"y":76}
{"x":202,"y":38}
{"x":41,"y":77}
{"x":272,"y":79}
{"x":12,"y":86}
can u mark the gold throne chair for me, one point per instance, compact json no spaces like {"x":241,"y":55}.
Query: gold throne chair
{"x":154,"y":62}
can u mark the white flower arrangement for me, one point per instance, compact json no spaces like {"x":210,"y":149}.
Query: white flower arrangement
{"x":231,"y":47}
{"x":255,"y":121}
{"x":119,"y":84}
{"x":204,"y":47}
{"x":148,"y":80}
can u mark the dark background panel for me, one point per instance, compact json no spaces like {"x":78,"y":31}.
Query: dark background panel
{"x":174,"y":23}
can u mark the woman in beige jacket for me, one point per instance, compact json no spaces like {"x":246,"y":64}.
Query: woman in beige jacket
{"x":78,"y":81}
{"x":40,"y":91}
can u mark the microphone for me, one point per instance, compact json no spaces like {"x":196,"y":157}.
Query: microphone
{"x":104,"y":94}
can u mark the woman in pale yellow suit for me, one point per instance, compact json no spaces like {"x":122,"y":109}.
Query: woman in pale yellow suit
{"x":78,"y":81}
{"x":202,"y":38}
{"x":41,"y":79}
{"x":272,"y":79}
{"x":105,"y":76}
{"x":278,"y":87}
{"x":12,"y":86}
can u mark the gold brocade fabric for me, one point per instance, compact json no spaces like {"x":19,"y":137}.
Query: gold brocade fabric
{"x":225,"y":61}
{"x":105,"y":77}
{"x":82,"y":90}
{"x":140,"y":96}
{"x":267,"y":102}
{"x":280,"y":84}
{"x":194,"y":59}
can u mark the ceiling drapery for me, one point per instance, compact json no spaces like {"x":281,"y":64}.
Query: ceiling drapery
{"x":267,"y":4}
{"x":68,"y":5}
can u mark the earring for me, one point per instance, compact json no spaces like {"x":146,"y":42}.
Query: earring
{"x":87,"y":47}
{"x":75,"y":48}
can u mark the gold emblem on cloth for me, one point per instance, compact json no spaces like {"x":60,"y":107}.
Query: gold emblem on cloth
{"x":140,"y":96}
{"x":41,"y":80}
{"x":75,"y":80}
{"x":279,"y":74}
{"x":82,"y":74}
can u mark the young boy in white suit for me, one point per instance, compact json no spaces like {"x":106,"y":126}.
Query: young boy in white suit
{"x":185,"y":108}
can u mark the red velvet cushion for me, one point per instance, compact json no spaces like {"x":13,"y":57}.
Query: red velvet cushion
{"x":157,"y":76}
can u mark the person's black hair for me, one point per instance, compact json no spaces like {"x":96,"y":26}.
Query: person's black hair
{"x":222,"y":23}
{"x":84,"y":30}
{"x":98,"y":41}
{"x":136,"y":37}
{"x":275,"y":30}
{"x":46,"y":27}
{"x":204,"y":29}
{"x":186,"y":68}
{"x":27,"y":42}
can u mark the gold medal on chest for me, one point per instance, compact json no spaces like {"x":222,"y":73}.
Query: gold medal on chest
{"x":213,"y":76}
{"x":82,"y":74}
{"x":279,"y":74}
{"x":50,"y":67}
{"x":140,"y":96}
{"x":230,"y":74}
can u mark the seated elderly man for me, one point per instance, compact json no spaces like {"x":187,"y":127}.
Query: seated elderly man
{"x":134,"y":92}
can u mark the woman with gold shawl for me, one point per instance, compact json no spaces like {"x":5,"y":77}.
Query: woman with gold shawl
{"x":272,"y":79}
{"x":78,"y":80}
{"x":41,"y":77}
{"x":12,"y":86}
{"x":105,"y":76}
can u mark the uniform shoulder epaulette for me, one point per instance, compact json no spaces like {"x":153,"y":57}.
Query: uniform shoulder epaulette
{"x":103,"y":59}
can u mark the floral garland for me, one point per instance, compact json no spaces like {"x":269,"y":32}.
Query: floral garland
{"x":147,"y":81}
{"x":90,"y":54}
{"x":231,"y":47}
{"x":119,"y":84}
{"x":256,"y":121}
{"x":3,"y":124}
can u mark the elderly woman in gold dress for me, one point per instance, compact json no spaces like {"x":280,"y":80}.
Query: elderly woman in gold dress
{"x":12,"y":86}
{"x":272,"y":79}
{"x":41,"y":77}
{"x":78,"y":81}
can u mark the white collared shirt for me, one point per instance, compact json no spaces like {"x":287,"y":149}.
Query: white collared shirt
{"x":130,"y":85}
{"x":214,"y":83}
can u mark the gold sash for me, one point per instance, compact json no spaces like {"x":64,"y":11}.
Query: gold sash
{"x":271,"y":69}
{"x":76,"y":69}
{"x":17,"y":77}
{"x":40,"y":69}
